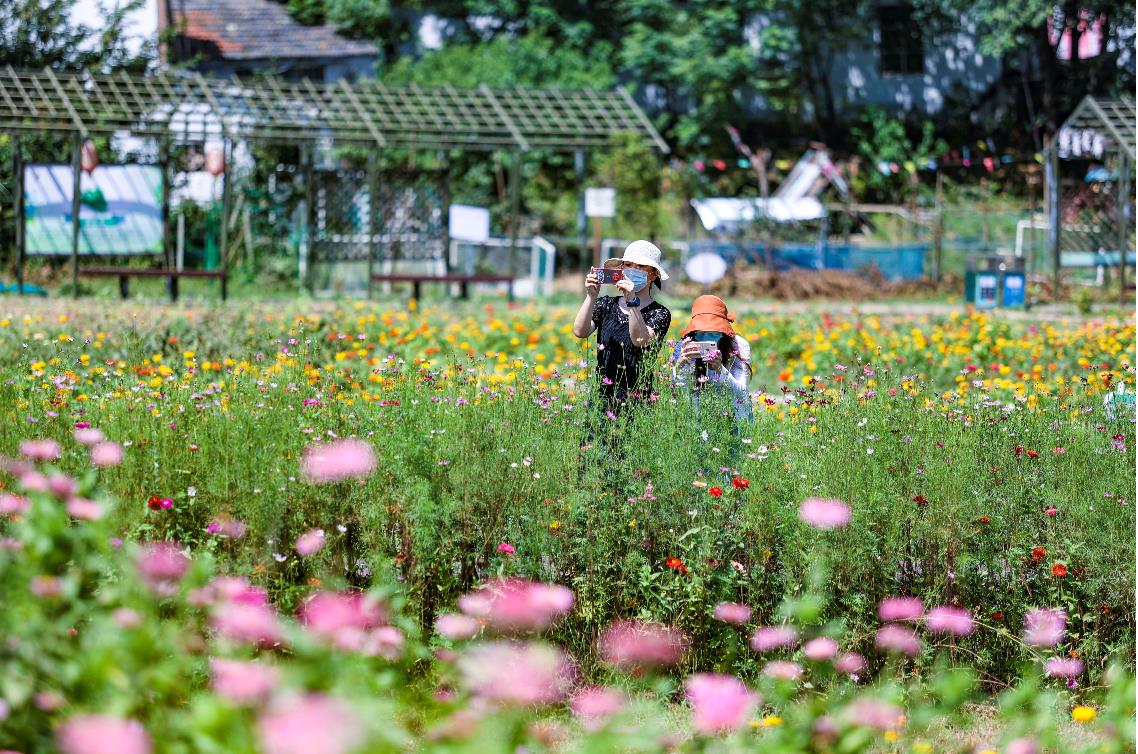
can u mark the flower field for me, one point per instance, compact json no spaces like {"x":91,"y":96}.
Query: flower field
{"x":340,"y":529}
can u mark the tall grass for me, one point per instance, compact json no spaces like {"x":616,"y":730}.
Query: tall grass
{"x":944,"y":505}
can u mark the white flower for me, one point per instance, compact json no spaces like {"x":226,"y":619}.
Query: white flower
{"x":191,"y":492}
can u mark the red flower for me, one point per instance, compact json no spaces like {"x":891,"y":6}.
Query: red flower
{"x":676,"y":564}
{"x":1018,"y":450}
{"x":997,"y":615}
{"x":1033,"y":454}
{"x":156,"y":503}
{"x":1038,"y":554}
{"x":740,"y":483}
{"x":983,"y":520}
{"x":1059,"y":570}
{"x":920,"y":500}
{"x":715,"y":491}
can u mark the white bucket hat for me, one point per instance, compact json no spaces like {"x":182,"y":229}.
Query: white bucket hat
{"x":645,"y":253}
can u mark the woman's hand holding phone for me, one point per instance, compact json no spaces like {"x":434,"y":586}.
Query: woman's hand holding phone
{"x":624,"y":285}
{"x":690,"y":351}
{"x":593,"y":284}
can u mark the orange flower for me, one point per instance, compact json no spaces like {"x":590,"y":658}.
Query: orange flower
{"x":740,"y":483}
{"x":1039,"y":553}
{"x":983,"y":520}
{"x":676,"y":564}
{"x":1059,"y":570}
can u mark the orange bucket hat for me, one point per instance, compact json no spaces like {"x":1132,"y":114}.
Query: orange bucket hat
{"x":709,"y":314}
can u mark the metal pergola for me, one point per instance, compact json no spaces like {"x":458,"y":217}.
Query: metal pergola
{"x":181,"y":106}
{"x":1114,"y":120}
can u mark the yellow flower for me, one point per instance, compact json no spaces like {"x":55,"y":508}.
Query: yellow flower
{"x":891,"y":736}
{"x":554,"y":525}
{"x":921,"y":747}
{"x":771,"y":721}
{"x":1082,"y":714}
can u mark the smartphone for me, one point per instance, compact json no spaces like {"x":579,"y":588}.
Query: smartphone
{"x":609,"y":275}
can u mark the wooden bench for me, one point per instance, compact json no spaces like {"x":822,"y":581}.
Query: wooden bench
{"x":416,"y":281}
{"x":124,"y":274}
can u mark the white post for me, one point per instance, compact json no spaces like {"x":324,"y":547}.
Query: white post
{"x":180,"y":244}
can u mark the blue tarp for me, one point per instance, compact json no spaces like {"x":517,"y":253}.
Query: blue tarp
{"x":894,"y":262}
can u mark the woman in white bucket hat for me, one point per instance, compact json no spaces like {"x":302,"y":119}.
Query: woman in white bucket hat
{"x":630,"y":327}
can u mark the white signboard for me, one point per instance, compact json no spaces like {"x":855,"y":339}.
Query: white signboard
{"x":705,"y":268}
{"x":600,"y":202}
{"x":469,"y":223}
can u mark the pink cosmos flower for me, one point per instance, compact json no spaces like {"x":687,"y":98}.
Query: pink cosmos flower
{"x":40,"y":450}
{"x":1044,"y":627}
{"x":126,"y":619}
{"x":102,"y":734}
{"x":516,"y":673}
{"x":894,"y":638}
{"x":720,"y":703}
{"x":247,"y":623}
{"x":901,"y":608}
{"x":506,"y":548}
{"x":850,"y":662}
{"x":237,"y":589}
{"x":594,"y":705}
{"x":45,"y":586}
{"x":310,"y":542}
{"x":824,"y":514}
{"x":949,"y":620}
{"x":822,"y":648}
{"x":310,"y":724}
{"x":457,"y":627}
{"x":342,"y":618}
{"x":1025,"y":745}
{"x":33,"y":481}
{"x":88,"y":436}
{"x":1064,"y":667}
{"x":106,"y":454}
{"x":386,"y":642}
{"x":342,"y":459}
{"x":61,"y":485}
{"x":632,"y":644}
{"x":12,"y":505}
{"x":83,"y":509}
{"x":874,"y":713}
{"x":790,"y":671}
{"x":162,"y":566}
{"x":231,"y":528}
{"x":243,"y":683}
{"x":733,"y":613}
{"x":511,"y":605}
{"x":767,"y":638}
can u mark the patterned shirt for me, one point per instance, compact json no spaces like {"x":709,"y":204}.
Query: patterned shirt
{"x":618,"y":360}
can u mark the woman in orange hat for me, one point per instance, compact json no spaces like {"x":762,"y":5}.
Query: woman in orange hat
{"x":715,"y":355}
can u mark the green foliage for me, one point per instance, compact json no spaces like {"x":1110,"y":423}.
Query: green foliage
{"x":882,"y":138}
{"x":532,"y":60}
{"x":634,"y":170}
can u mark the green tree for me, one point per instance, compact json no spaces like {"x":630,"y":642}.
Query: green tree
{"x":1003,"y":27}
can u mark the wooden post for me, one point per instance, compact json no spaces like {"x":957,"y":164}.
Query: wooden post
{"x":310,"y":219}
{"x":597,"y":240}
{"x":226,"y":206}
{"x":515,"y":213}
{"x":76,"y":173}
{"x":1054,"y":217}
{"x":1124,"y":225}
{"x":372,"y":218}
{"x":167,"y":250}
{"x":938,"y":232}
{"x":18,"y":205}
{"x":582,"y":221}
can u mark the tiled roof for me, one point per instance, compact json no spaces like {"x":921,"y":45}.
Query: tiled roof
{"x":259,"y":29}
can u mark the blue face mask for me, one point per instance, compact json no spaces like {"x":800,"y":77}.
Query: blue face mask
{"x":638,"y":278}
